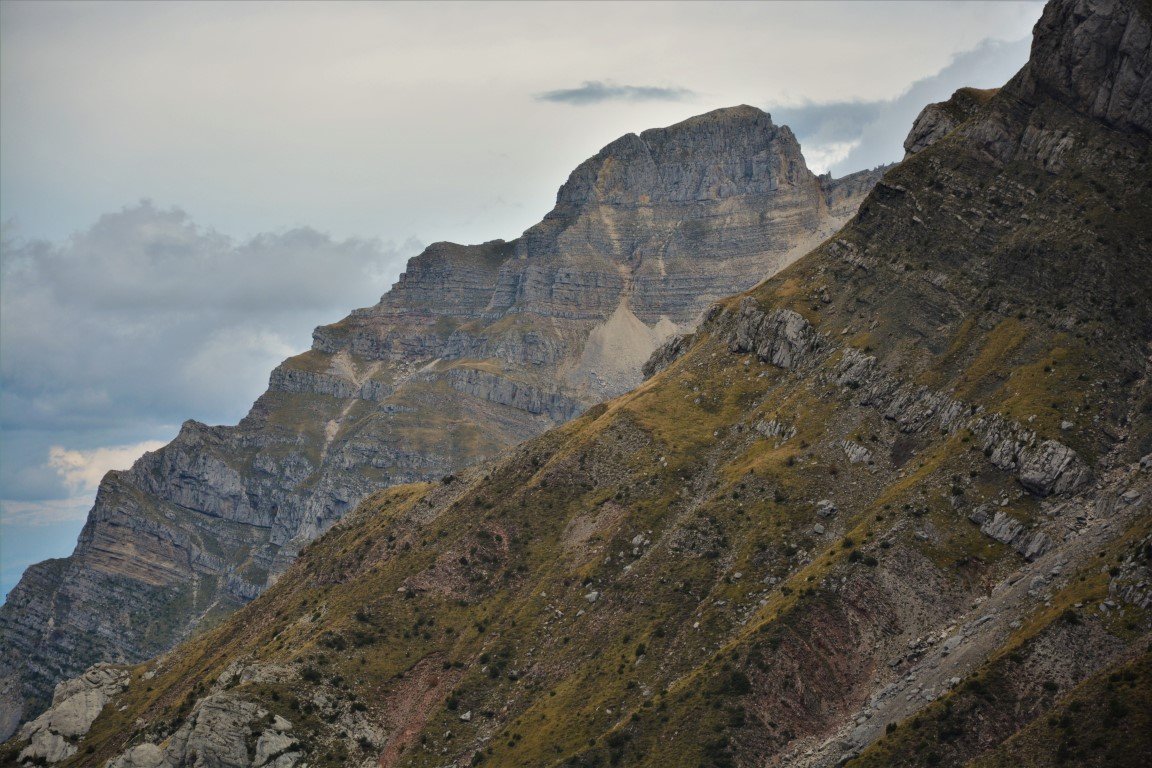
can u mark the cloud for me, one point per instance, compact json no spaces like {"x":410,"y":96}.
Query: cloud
{"x":82,"y":471}
{"x":146,"y":319}
{"x":824,"y":155}
{"x":847,"y":136}
{"x":45,"y":512}
{"x":147,"y":316}
{"x":597,"y":91}
{"x":36,"y":530}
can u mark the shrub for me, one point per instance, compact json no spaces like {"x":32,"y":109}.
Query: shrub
{"x":333,"y":641}
{"x":736,"y":683}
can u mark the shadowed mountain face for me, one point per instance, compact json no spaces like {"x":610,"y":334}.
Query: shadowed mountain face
{"x":475,"y":349}
{"x":888,"y":508}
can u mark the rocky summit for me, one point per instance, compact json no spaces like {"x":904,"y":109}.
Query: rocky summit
{"x":475,"y":349}
{"x":889,"y":507}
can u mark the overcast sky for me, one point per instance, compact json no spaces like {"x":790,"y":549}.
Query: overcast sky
{"x":186,"y":189}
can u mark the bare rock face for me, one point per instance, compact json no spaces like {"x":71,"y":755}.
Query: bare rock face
{"x":76,"y":704}
{"x":1054,"y":468}
{"x":217,"y":734}
{"x":475,"y":349}
{"x":937,"y":120}
{"x":1094,"y":55}
{"x":783,"y":337}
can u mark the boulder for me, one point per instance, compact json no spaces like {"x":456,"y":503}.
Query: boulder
{"x":75,"y":706}
{"x":270,"y":746}
{"x":1053,"y":468}
{"x":825,"y":508}
{"x":215,"y":735}
{"x":781,"y":337}
{"x":145,"y":755}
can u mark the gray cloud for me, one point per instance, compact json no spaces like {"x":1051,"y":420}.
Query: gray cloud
{"x":145,"y":319}
{"x":847,"y":136}
{"x":597,"y":91}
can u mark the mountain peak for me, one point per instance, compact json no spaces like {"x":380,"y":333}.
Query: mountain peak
{"x":736,"y":114}
{"x":722,"y":153}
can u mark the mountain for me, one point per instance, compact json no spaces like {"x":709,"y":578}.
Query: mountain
{"x":475,"y":349}
{"x":888,"y":508}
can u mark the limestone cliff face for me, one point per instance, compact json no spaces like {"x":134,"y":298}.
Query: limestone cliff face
{"x":1095,"y":56}
{"x":475,"y":349}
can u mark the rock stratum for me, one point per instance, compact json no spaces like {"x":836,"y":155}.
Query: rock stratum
{"x":888,"y":508}
{"x":475,"y":349}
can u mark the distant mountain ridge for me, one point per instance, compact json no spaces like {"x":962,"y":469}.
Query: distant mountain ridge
{"x":475,"y":349}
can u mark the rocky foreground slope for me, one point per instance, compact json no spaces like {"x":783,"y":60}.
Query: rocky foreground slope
{"x":475,"y":349}
{"x":889,"y":508}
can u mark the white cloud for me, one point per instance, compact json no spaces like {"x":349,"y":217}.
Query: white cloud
{"x":45,"y":512}
{"x":821,"y":157}
{"x":82,"y":471}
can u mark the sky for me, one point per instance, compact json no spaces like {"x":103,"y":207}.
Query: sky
{"x":187,"y":189}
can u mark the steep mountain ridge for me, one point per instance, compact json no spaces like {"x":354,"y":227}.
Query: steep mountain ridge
{"x":888,"y":508}
{"x":475,"y":349}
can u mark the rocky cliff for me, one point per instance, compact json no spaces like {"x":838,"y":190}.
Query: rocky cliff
{"x":888,"y":508}
{"x":475,"y":349}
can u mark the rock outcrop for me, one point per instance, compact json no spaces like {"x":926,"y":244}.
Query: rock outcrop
{"x":75,"y":706}
{"x":1053,"y":468}
{"x":1008,"y":530}
{"x":667,"y":353}
{"x":783,"y":337}
{"x":1094,"y":56}
{"x":937,"y":120}
{"x":475,"y":349}
{"x":218,"y":733}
